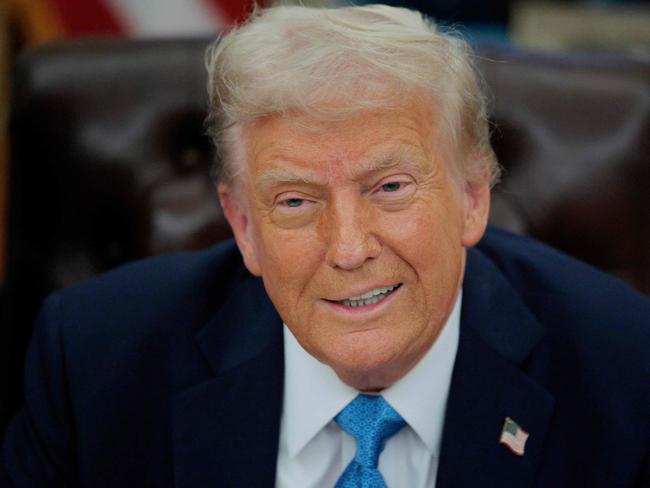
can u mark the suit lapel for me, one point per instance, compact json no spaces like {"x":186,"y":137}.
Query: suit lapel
{"x":226,"y":429}
{"x":497,"y":334}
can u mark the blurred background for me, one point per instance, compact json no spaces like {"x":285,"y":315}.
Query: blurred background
{"x":571,"y":80}
{"x":26,"y":24}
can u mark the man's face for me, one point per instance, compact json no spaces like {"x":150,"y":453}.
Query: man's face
{"x":358,"y":230}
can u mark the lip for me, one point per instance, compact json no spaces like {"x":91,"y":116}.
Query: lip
{"x":362,"y":292}
{"x":365,"y":309}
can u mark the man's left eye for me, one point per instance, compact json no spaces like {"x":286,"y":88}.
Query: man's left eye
{"x":394,"y":191}
{"x":391,"y":186}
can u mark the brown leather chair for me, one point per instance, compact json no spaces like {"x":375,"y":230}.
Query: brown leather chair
{"x":573,"y":134}
{"x":109,"y":163}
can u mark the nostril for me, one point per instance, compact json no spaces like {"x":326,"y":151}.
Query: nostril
{"x":353,"y":254}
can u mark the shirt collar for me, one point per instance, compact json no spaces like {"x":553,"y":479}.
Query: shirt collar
{"x":420,"y":397}
{"x":314,"y":395}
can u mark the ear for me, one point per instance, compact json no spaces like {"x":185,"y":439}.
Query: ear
{"x":477,"y":208}
{"x":236,"y":210}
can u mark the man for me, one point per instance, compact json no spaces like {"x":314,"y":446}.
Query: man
{"x":353,"y":336}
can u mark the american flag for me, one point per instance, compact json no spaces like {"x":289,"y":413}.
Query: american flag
{"x":45,"y":20}
{"x":513,"y":437}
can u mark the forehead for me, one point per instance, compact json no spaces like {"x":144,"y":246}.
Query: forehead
{"x":378,"y":138}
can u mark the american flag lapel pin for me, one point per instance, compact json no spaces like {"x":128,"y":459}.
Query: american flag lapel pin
{"x":513,"y":436}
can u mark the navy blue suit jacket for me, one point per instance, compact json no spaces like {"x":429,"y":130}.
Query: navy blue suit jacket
{"x":169,"y":372}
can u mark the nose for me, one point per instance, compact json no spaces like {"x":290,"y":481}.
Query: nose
{"x":351,"y":241}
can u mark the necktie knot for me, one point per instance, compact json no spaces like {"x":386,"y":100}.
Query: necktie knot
{"x":371,"y":421}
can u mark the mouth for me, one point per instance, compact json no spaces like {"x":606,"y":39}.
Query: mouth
{"x":372,"y":297}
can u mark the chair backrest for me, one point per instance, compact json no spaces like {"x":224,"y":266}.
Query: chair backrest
{"x":573,"y":134}
{"x":109,"y":163}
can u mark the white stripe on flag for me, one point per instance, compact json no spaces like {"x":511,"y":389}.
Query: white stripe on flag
{"x":148,"y":18}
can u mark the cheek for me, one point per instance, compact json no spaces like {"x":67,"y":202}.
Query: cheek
{"x":427,"y":238}
{"x":427,"y":227}
{"x":288,"y":259}
{"x":288,"y":252}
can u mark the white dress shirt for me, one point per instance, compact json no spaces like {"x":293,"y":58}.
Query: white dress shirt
{"x":314,"y":451}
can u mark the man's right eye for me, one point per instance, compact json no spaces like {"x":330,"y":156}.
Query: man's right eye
{"x":294,"y":205}
{"x":293,"y":202}
{"x":292,"y":212}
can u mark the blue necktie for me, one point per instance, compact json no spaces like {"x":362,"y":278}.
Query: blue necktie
{"x":371,"y":421}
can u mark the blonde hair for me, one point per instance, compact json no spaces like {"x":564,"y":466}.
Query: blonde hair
{"x":331,"y":63}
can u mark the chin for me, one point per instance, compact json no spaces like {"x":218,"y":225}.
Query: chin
{"x":367,"y":366}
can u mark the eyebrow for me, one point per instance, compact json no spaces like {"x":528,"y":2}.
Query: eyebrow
{"x":403,"y":156}
{"x":277,"y":176}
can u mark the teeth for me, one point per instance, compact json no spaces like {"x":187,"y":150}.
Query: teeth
{"x":373,"y":296}
{"x":374,"y":292}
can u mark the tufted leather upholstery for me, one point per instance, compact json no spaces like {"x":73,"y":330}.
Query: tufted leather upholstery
{"x":109,"y":163}
{"x":573,"y":134}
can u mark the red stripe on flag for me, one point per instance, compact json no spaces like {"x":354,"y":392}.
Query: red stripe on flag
{"x":87,"y":17}
{"x":235,"y":11}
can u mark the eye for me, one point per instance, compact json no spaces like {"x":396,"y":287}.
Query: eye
{"x":394,"y":191}
{"x":293,"y":202}
{"x":392,"y":186}
{"x":293,"y":210}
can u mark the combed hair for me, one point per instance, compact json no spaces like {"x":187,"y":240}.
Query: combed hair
{"x":332,"y":63}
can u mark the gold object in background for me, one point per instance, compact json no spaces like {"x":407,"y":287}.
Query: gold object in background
{"x":555,"y":26}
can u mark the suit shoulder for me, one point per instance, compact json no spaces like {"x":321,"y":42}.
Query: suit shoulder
{"x":534,"y":267}
{"x":165,"y":274}
{"x":569,"y":297}
{"x":596,"y":329}
{"x":184,"y":266}
{"x":140,"y":298}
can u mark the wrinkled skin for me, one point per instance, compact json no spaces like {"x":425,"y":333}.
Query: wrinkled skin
{"x":326,"y":211}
